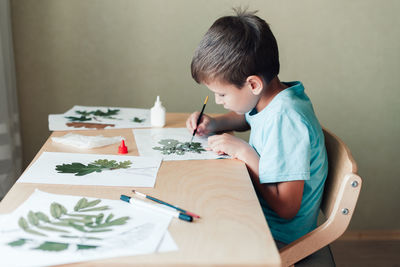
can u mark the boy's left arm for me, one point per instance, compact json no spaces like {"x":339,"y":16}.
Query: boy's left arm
{"x":284,"y":198}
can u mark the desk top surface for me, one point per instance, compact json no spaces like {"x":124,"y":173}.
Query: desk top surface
{"x":232,"y":229}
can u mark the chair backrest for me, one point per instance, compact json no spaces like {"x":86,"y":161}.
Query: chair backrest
{"x":342,"y":188}
{"x":340,"y":164}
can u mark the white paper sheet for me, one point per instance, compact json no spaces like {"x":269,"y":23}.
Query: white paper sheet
{"x":141,"y":233}
{"x":123,"y":119}
{"x":85,"y":141}
{"x":141,"y":173}
{"x":147,"y":139}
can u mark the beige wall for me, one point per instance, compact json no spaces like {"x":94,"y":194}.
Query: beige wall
{"x":124,"y":53}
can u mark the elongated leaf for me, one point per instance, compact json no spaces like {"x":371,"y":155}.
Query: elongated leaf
{"x":95,"y":209}
{"x":32,"y":218}
{"x":80,"y":204}
{"x":55,"y":210}
{"x":52,"y":246}
{"x":41,"y":216}
{"x":34,"y":232}
{"x":49,"y":228}
{"x":93,"y":203}
{"x":82,"y":247}
{"x":109,"y":217}
{"x":99,"y":218}
{"x":78,"y":227}
{"x":119,"y":221}
{"x":23,"y":223}
{"x":18,"y":243}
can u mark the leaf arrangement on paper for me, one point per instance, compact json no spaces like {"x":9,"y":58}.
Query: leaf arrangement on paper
{"x":172,"y":146}
{"x":97,"y":166}
{"x":85,"y":115}
{"x":64,"y":222}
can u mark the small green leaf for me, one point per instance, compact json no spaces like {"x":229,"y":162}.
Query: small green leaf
{"x":53,"y":246}
{"x":41,"y":216}
{"x":81,"y":247}
{"x":109,"y":217}
{"x":55,"y":210}
{"x":23,"y":223}
{"x":18,"y":243}
{"x":80,"y":204}
{"x":138,"y":120}
{"x":49,"y":228}
{"x":93,"y":203}
{"x":96,"y":209}
{"x":32,"y":218}
{"x":81,"y":118}
{"x":99,"y":218}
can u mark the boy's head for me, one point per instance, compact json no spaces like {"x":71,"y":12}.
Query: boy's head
{"x":234,"y":48}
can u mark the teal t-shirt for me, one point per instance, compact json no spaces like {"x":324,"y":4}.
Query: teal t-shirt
{"x":289,"y":140}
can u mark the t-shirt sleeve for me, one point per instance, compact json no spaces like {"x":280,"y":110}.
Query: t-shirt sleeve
{"x":286,"y":150}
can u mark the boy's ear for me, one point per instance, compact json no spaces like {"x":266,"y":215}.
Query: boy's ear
{"x":255,"y":84}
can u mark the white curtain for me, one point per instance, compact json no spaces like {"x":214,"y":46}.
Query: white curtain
{"x":10,"y":144}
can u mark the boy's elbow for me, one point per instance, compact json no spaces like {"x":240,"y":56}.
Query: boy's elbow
{"x":288,"y":213}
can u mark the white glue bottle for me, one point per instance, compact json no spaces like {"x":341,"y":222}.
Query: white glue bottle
{"x":157,"y":114}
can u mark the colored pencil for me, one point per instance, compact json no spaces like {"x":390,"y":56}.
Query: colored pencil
{"x":165,"y":203}
{"x":141,"y":203}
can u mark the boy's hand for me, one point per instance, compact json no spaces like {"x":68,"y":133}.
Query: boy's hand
{"x":230,"y":145}
{"x":206,"y":124}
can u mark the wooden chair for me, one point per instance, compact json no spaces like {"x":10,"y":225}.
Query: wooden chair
{"x":342,"y":188}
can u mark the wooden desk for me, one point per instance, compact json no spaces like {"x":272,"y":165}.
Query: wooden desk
{"x":232,"y":230}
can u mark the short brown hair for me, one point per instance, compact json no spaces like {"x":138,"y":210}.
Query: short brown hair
{"x":234,"y":48}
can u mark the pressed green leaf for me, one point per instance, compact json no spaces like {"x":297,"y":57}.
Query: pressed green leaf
{"x":32,"y":218}
{"x":138,"y":120}
{"x":124,"y":164}
{"x":80,"y":204}
{"x":41,"y":216}
{"x":119,"y":221}
{"x":99,"y":218}
{"x":49,"y":228}
{"x":109,"y":217}
{"x":55,"y":210}
{"x":53,"y":246}
{"x":95,"y":209}
{"x":81,"y":247}
{"x":97,"y":166}
{"x":23,"y":223}
{"x":18,"y":243}
{"x":93,"y":203}
{"x":78,"y":227}
{"x":34,"y":232}
{"x":81,"y":118}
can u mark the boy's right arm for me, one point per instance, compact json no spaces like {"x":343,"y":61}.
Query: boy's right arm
{"x":228,"y":122}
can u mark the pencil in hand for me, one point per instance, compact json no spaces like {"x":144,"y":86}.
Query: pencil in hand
{"x":199,"y":118}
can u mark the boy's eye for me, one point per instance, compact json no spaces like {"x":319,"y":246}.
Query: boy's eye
{"x":221,"y":95}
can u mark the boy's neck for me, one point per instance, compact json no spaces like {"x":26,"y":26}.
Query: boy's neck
{"x":274,"y":87}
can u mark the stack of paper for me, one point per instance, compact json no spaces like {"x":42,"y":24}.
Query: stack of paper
{"x":85,"y":117}
{"x":49,"y":229}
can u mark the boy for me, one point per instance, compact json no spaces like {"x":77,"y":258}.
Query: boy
{"x":238,"y":60}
